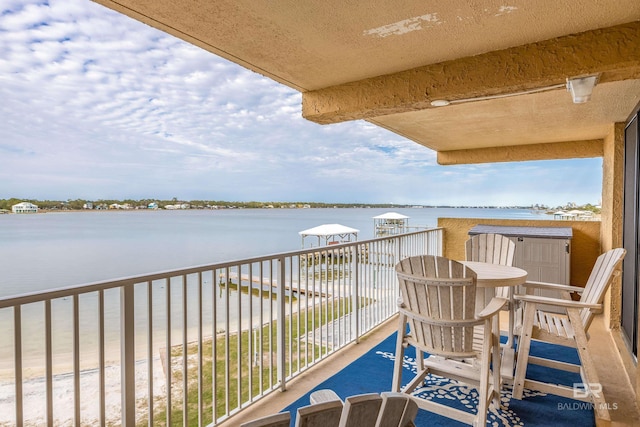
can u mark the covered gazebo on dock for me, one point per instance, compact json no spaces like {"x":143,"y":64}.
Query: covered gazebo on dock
{"x":390,"y":223}
{"x":330,"y":234}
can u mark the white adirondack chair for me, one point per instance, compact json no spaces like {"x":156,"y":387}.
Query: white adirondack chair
{"x":282,"y":419}
{"x":371,"y":410}
{"x":569,"y":330}
{"x":495,"y":249}
{"x":323,"y":414}
{"x":491,"y":248}
{"x":361,"y":410}
{"x":398,"y":410}
{"x":439,"y":305}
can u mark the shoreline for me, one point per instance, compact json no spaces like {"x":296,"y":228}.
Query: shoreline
{"x":281,"y":205}
{"x":63,"y":383}
{"x":34,"y":395}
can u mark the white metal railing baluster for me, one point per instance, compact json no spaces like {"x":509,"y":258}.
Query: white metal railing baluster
{"x":314,"y":304}
{"x":214,"y":345}
{"x":101,"y":360}
{"x":300,"y":294}
{"x":250,"y":347}
{"x":344,"y":308}
{"x":150,"y":409}
{"x":48,"y":362}
{"x":261,"y":330}
{"x":239,"y":339}
{"x":355,"y":300}
{"x":127,"y":359}
{"x":373,"y":302}
{"x":334,"y":318}
{"x":345,"y":305}
{"x":336,"y":314}
{"x":281,"y":353}
{"x":322,"y":302}
{"x":304,"y":318}
{"x":17,"y":345}
{"x":227,"y":347}
{"x":290,"y":343}
{"x":270,"y":323}
{"x":168,"y":363}
{"x":76,"y":361}
{"x":365,"y":291}
{"x":185,"y":354}
{"x":200,"y":355}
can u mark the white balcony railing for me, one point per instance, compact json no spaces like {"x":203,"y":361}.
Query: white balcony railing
{"x":192,"y":346}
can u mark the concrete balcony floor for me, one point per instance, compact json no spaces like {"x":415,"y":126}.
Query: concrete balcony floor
{"x":612,"y":370}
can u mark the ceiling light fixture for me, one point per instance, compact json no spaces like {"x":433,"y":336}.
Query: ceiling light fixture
{"x":440,"y":102}
{"x":581,"y":88}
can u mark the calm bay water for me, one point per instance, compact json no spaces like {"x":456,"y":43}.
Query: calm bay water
{"x":52,"y":250}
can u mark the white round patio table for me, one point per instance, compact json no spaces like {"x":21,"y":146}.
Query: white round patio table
{"x":496,"y":275}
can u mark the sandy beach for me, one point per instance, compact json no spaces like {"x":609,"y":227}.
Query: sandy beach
{"x":34,"y":393}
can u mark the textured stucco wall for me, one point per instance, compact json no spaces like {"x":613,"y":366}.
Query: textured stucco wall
{"x":585,"y":244}
{"x":612,"y":188}
{"x":530,"y":66}
{"x":612,"y":213}
{"x":516,"y":153}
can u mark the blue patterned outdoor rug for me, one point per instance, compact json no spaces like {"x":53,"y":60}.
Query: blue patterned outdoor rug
{"x":373,"y":372}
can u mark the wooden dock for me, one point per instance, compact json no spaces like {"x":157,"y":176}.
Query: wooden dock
{"x":265,"y":281}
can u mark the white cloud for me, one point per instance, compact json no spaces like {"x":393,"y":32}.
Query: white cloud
{"x":97,"y":105}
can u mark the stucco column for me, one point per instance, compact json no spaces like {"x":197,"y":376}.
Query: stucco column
{"x":612,"y":213}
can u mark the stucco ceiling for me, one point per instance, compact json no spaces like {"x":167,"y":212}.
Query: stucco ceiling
{"x":384,"y":61}
{"x":520,"y":120}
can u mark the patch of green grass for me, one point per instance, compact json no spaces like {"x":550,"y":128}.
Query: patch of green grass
{"x":239,"y":372}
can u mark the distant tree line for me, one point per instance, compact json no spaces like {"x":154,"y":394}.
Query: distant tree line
{"x":591,"y":208}
{"x":79,"y":204}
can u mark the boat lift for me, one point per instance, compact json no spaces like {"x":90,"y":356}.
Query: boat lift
{"x":330,"y":234}
{"x":390,"y":224}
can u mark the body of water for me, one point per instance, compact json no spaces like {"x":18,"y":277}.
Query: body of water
{"x":46,"y":251}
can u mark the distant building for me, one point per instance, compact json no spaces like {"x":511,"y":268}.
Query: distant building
{"x":178,"y":206}
{"x":88,"y":205}
{"x":119,"y":206}
{"x":24,"y":207}
{"x":152,"y":205}
{"x":574,"y":215}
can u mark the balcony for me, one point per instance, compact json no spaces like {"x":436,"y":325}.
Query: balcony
{"x":132,"y":334}
{"x":113,"y":352}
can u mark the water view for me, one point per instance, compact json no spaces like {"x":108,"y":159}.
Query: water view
{"x":53,"y":250}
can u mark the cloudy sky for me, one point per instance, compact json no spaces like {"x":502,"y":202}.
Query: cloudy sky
{"x":95,"y":105}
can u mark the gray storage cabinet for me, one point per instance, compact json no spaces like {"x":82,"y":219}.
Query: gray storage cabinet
{"x":543,"y":252}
